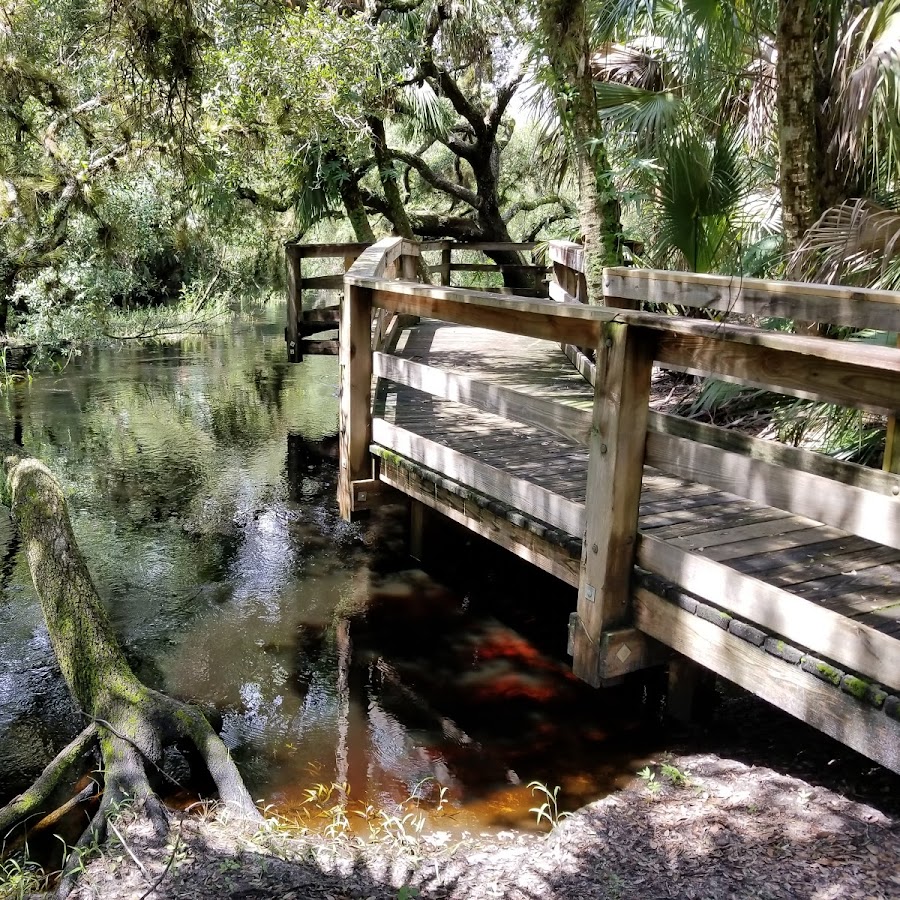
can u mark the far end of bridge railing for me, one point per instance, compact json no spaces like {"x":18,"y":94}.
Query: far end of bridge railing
{"x":439,"y":259}
{"x":615,"y":617}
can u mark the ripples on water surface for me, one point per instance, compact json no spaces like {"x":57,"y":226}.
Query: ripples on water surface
{"x":201,"y":482}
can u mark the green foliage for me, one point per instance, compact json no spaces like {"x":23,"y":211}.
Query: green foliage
{"x":548,"y":811}
{"x":701,"y":186}
{"x":20,"y":877}
{"x":664,"y":773}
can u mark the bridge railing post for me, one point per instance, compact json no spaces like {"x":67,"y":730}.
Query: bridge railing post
{"x":294,"y":302}
{"x":617,"y":444}
{"x":891,"y":462}
{"x":356,"y":394}
{"x":446,"y":263}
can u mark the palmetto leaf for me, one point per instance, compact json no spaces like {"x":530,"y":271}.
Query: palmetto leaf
{"x":646,"y":113}
{"x":867,"y":69}
{"x":625,"y":64}
{"x":857,"y":242}
{"x":422,"y":113}
{"x":701,"y":188}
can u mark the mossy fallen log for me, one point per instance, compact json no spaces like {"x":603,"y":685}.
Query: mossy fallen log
{"x":127,"y":722}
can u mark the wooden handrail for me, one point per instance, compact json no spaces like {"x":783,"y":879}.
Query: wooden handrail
{"x":855,"y":307}
{"x":622,"y":434}
{"x":843,"y":372}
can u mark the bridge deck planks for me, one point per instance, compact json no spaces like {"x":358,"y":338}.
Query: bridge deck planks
{"x":850,"y":575}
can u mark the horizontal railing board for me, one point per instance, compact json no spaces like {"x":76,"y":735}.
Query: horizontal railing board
{"x":852,"y":509}
{"x":319,"y":251}
{"x":854,"y":375}
{"x":532,"y":318}
{"x":856,"y":307}
{"x":320,"y":348}
{"x":869,"y":381}
{"x":776,"y":453}
{"x":566,"y":421}
{"x":765,"y":472}
{"x":886,"y":358}
{"x":810,"y":699}
{"x":525,"y":496}
{"x":495,"y":267}
{"x":322,"y":283}
{"x":321,"y":314}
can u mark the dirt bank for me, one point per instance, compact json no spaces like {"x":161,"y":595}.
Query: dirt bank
{"x":731,"y":831}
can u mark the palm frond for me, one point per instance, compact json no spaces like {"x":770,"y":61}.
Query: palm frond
{"x":867,"y":70}
{"x":857,"y":242}
{"x":648,"y":114}
{"x":625,"y":64}
{"x":701,"y":188}
{"x":422,"y":113}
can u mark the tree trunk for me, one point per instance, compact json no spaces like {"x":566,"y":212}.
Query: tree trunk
{"x":388,"y":175}
{"x":356,"y":210}
{"x":129,"y":722}
{"x":566,"y":33}
{"x":798,"y":138}
{"x":8,"y":276}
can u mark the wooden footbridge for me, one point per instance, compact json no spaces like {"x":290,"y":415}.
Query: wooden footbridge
{"x":689,"y":544}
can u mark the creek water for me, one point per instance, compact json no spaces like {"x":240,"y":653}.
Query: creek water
{"x":201,"y":482}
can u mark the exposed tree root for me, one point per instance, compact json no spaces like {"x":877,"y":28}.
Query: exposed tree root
{"x":131,"y":723}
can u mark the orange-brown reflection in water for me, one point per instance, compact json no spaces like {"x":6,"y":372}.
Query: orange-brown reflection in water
{"x":425,"y":705}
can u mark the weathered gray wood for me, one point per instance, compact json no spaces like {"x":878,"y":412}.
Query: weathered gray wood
{"x":567,"y":253}
{"x":323,"y":283}
{"x":356,"y":389}
{"x":777,"y":454}
{"x":292,"y":334}
{"x":320,"y":348}
{"x":618,"y":433}
{"x":859,"y":511}
{"x":328,"y":314}
{"x":559,"y":294}
{"x":375,"y":261}
{"x":365,"y":493}
{"x":481,"y":309}
{"x":523,"y":495}
{"x":845,"y":373}
{"x":788,"y":687}
{"x":712,"y":536}
{"x":446,"y":266}
{"x":409,"y":264}
{"x":625,"y":650}
{"x":857,"y":307}
{"x":520,"y":541}
{"x":566,"y":421}
{"x":891,"y":459}
{"x":848,"y":643}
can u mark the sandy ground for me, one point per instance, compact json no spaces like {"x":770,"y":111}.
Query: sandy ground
{"x":731,"y":831}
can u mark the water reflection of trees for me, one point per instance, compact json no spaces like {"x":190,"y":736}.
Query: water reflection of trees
{"x":175,"y":462}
